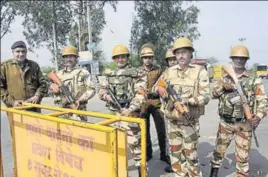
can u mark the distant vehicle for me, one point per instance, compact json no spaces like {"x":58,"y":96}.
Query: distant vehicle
{"x":202,"y":62}
{"x":209,"y":68}
{"x":217,"y":72}
{"x":262,"y":71}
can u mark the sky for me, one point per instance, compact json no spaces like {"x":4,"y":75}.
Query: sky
{"x":221,"y":24}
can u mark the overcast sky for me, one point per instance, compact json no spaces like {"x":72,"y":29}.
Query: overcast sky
{"x":220,"y":25}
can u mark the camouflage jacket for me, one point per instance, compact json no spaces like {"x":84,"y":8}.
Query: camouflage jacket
{"x":152,"y":76}
{"x":79,"y":83}
{"x":21,"y":84}
{"x":193,"y":86}
{"x":129,"y":86}
{"x":254,"y":92}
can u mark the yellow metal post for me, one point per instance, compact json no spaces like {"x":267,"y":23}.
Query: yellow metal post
{"x":107,"y":122}
{"x":1,"y":163}
{"x":55,"y":119}
{"x":56,"y":114}
{"x":114,"y":153}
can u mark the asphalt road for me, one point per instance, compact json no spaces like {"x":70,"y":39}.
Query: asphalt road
{"x":209,"y":125}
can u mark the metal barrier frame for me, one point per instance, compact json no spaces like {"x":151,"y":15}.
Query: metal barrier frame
{"x":102,"y":125}
{"x":1,"y":163}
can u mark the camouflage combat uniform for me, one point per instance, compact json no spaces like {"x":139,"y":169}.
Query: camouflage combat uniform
{"x":233,"y":122}
{"x":193,"y":86}
{"x":80,"y":85}
{"x":127,"y":83}
{"x":152,"y":106}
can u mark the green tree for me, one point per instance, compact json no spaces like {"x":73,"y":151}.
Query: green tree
{"x":160,"y":23}
{"x":7,"y":17}
{"x":97,"y":19}
{"x":135,"y":60}
{"x":110,"y":65}
{"x":98,"y":22}
{"x":40,"y":18}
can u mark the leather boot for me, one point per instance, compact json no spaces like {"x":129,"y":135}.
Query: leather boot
{"x":165,"y":158}
{"x":214,"y":172}
{"x":168,"y":169}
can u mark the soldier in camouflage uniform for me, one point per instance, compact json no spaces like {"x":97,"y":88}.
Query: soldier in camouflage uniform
{"x":171,"y":61}
{"x":232,"y":119}
{"x":78,"y":80}
{"x":170,"y":58}
{"x":191,"y":82}
{"x":128,"y":85}
{"x":152,"y":106}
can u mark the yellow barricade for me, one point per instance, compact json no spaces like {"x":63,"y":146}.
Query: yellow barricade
{"x":46,"y":145}
{"x":1,"y":163}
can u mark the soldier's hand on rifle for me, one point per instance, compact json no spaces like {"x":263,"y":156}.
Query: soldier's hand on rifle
{"x":17,"y":103}
{"x":108,"y":98}
{"x":126,"y":112}
{"x":228,"y":86}
{"x":35,"y":99}
{"x":255,"y":121}
{"x":77,"y":104}
{"x":55,"y":88}
{"x":162,"y":92}
{"x":64,"y":100}
{"x":179,"y":106}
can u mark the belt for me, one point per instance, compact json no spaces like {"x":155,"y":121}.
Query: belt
{"x":232,"y":120}
{"x":152,"y":96}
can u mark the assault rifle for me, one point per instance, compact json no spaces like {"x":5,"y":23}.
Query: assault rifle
{"x":230,"y":71}
{"x":114,"y":99}
{"x":175,"y":97}
{"x":64,"y":89}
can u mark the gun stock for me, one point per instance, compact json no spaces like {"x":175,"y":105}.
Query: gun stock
{"x":161,"y":82}
{"x":66,"y":92}
{"x":54,"y":78}
{"x":230,"y":71}
{"x":179,"y":107}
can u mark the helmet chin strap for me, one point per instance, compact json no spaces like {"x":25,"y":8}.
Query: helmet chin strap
{"x":122,"y":65}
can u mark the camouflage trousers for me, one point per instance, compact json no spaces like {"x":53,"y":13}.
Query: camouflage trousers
{"x":243,"y":134}
{"x":133,"y":138}
{"x":183,"y":144}
{"x":167,"y":141}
